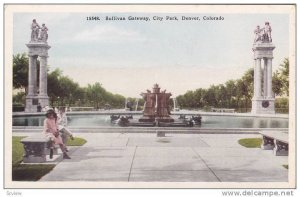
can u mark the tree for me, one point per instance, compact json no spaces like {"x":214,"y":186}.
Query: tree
{"x":19,"y":98}
{"x":95,"y":94}
{"x":20,"y":71}
{"x":68,"y":88}
{"x":54,"y":88}
{"x":248,"y":78}
{"x":210,"y":97}
{"x":231,"y":93}
{"x":277,"y":83}
{"x":245,"y":87}
{"x":284,"y":75}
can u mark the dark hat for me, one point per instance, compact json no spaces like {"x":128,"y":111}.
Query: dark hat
{"x":50,"y":111}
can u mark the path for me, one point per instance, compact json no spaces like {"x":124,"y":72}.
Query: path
{"x":177,"y":158}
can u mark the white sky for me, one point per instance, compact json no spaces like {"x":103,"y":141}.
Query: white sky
{"x":128,"y":57}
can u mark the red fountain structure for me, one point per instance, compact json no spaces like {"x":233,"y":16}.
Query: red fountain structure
{"x":156,"y":108}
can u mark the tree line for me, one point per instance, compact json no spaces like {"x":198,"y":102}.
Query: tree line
{"x":238,"y":93}
{"x":233,"y":94}
{"x":62,"y":90}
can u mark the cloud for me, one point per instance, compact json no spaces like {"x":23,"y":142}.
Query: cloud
{"x":107,"y":33}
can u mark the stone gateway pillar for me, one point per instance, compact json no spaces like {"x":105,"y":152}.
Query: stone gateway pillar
{"x":263,"y":101}
{"x":38,"y":48}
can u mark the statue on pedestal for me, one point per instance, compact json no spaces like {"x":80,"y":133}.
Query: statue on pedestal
{"x":267,"y":32}
{"x":37,"y":96}
{"x":257,"y":33}
{"x":263,"y":34}
{"x":38,"y":34}
{"x":34,"y":31}
{"x":44,"y":33}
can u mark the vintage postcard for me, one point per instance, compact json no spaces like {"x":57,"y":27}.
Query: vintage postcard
{"x":149,"y":96}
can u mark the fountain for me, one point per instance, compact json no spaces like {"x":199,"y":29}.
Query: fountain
{"x":156,"y":107}
{"x":175,"y":104}
{"x":156,"y":112}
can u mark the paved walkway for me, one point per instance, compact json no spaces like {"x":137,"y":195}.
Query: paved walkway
{"x":175,"y":158}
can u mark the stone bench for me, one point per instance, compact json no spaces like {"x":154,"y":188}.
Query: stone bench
{"x":276,"y":141}
{"x":36,"y":148}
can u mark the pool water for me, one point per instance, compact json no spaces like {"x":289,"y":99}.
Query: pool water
{"x":207,"y":121}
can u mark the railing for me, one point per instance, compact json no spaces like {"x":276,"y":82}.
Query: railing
{"x":82,"y":108}
{"x":223,"y":110}
{"x":243,"y":110}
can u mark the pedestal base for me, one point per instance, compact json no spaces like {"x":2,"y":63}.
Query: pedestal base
{"x":164,"y":119}
{"x":43,"y":100}
{"x":147,"y":119}
{"x":32,"y":102}
{"x":156,"y":119}
{"x":263,"y":106}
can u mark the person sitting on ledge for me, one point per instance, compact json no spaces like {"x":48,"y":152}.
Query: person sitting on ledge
{"x":62,"y":126}
{"x":51,"y":131}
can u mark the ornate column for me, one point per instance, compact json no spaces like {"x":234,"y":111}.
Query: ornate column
{"x":43,"y":76}
{"x":31,"y":76}
{"x":263,"y":49}
{"x":257,"y":78}
{"x":269,"y":78}
{"x":265,"y":77}
{"x":34,"y":76}
{"x":38,"y":47}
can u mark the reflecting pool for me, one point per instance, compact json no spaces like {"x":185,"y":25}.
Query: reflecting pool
{"x":207,"y":121}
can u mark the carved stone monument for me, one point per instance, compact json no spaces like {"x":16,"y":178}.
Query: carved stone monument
{"x":263,"y":99}
{"x":156,"y":106}
{"x":38,"y":48}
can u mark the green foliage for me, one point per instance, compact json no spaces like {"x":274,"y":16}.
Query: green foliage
{"x":17,"y":150}
{"x":282,"y":105}
{"x":26,"y":172}
{"x":62,"y":90}
{"x":251,"y":142}
{"x":277,"y":83}
{"x":30,"y":172}
{"x":98,"y":97}
{"x":284,"y":75}
{"x":54,"y":88}
{"x":236,"y":94}
{"x":20,"y":71}
{"x":19,"y":98}
{"x":281,"y":79}
{"x":76,"y":142}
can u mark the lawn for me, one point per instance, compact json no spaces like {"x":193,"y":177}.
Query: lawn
{"x":251,"y":142}
{"x":32,"y":172}
{"x":76,"y":142}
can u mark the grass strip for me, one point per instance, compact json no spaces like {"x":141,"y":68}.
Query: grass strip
{"x":76,"y":142}
{"x":32,"y":172}
{"x":286,"y":166}
{"x":251,"y":142}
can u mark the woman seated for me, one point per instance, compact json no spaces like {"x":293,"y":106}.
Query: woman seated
{"x":51,"y":131}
